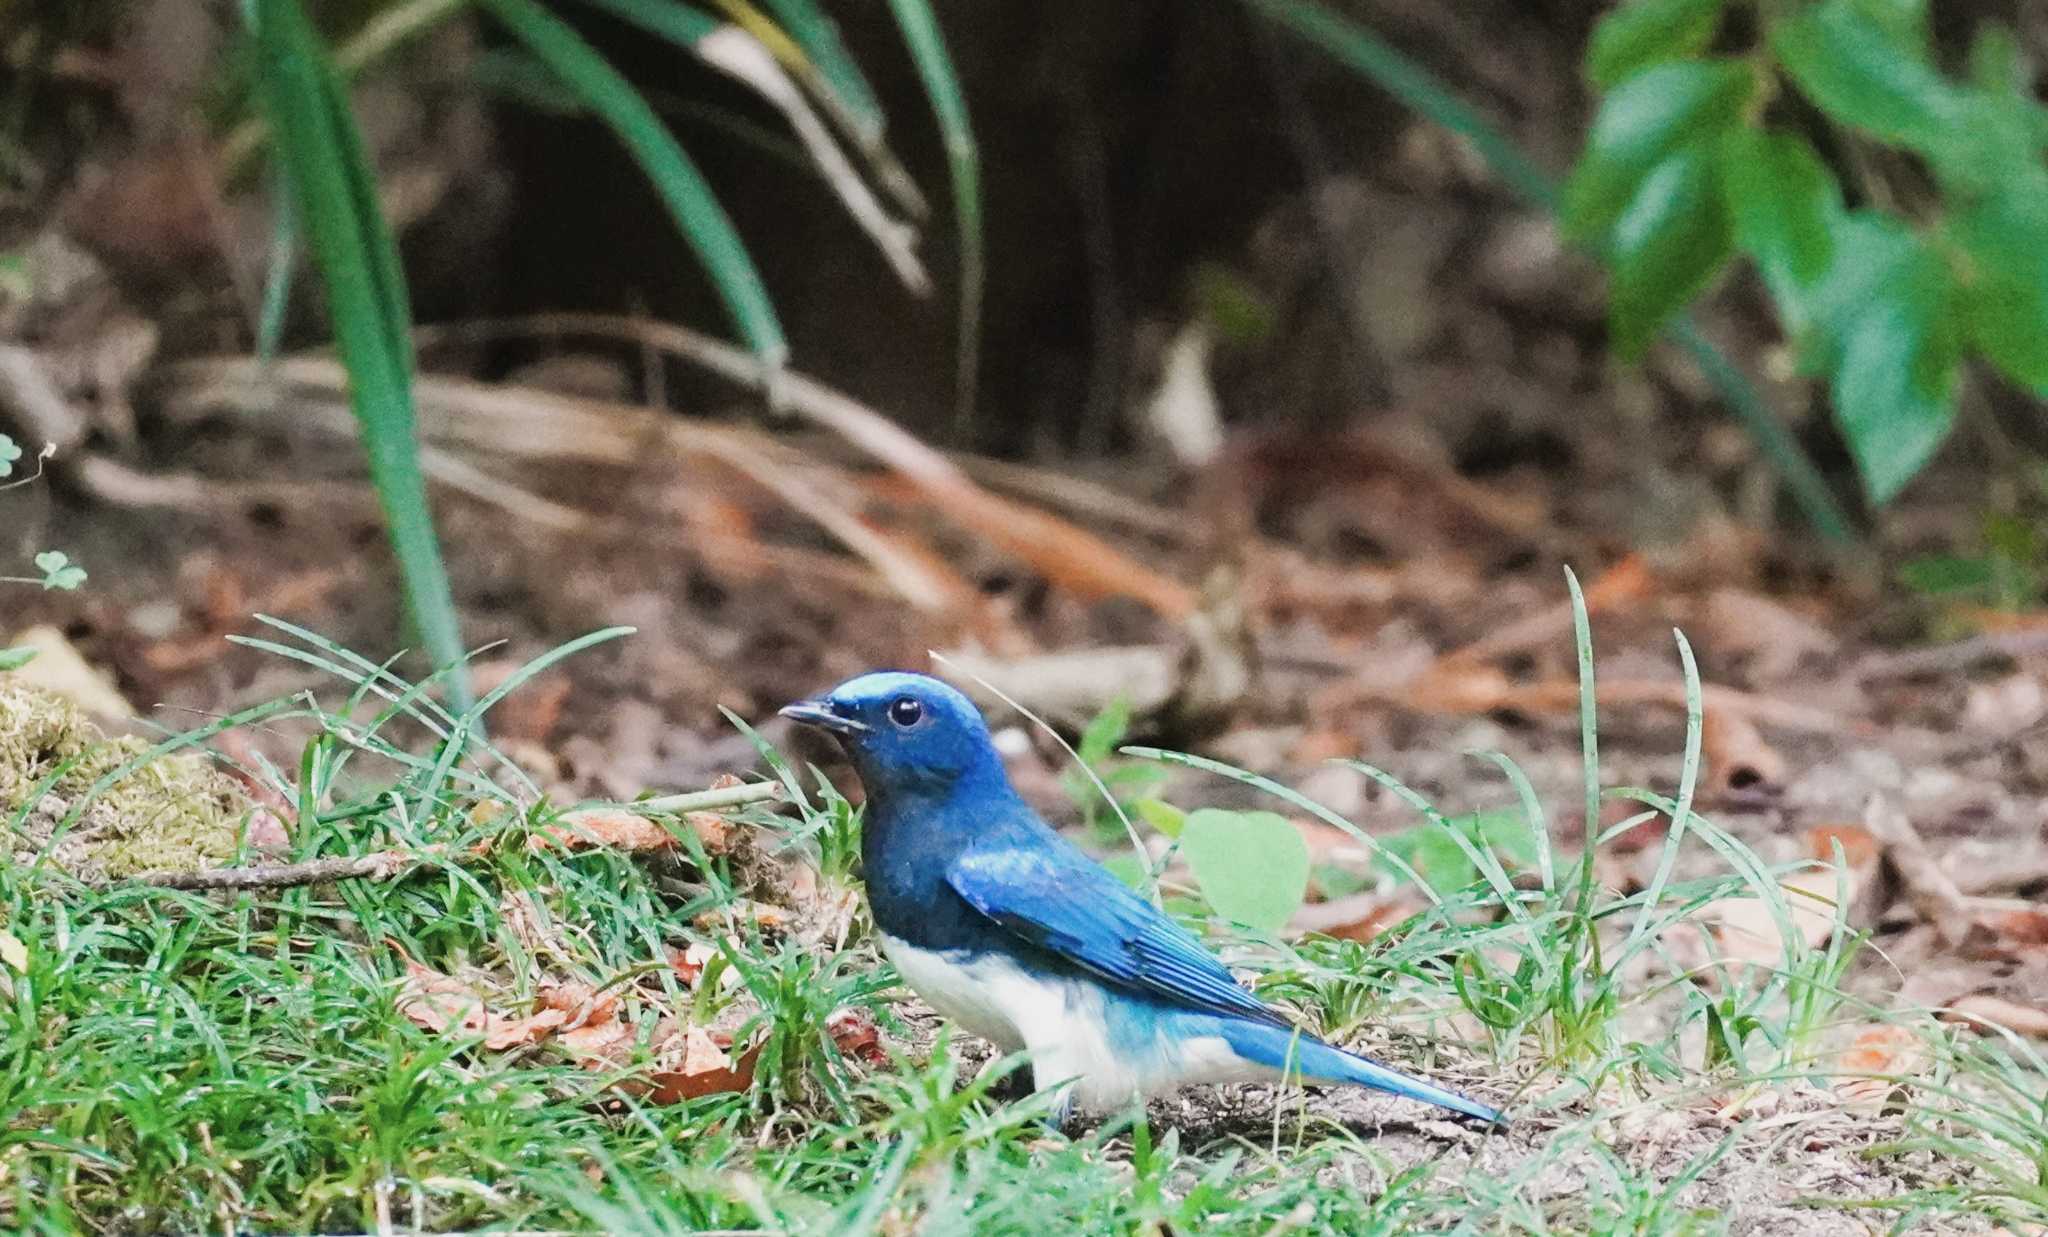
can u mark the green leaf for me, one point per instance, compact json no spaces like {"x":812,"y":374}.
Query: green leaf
{"x":1664,"y":107}
{"x":1646,"y":32}
{"x":15,"y":659}
{"x":1942,"y":574}
{"x":1784,"y":203}
{"x":702,"y":221}
{"x":1904,"y":22}
{"x":1895,"y":389}
{"x":1252,"y":866}
{"x":1240,"y":312}
{"x":9,"y":453}
{"x":1997,"y":64}
{"x":1673,"y":238}
{"x":1161,"y":815}
{"x":2005,"y":297}
{"x":1104,"y":731}
{"x":1851,"y":62}
{"x":1127,"y":868}
{"x":59,"y":572}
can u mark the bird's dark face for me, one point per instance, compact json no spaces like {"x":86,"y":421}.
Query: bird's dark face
{"x":904,"y":732}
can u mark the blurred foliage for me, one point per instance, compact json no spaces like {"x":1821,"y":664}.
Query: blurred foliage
{"x":332,"y":190}
{"x":1699,"y":154}
{"x":1694,"y":159}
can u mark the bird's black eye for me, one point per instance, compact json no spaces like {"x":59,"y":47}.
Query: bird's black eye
{"x":905,"y":710}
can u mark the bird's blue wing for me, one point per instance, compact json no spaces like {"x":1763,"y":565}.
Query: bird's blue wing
{"x":1072,"y":908}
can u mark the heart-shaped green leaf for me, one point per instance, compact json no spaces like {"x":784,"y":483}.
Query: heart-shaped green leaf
{"x":1252,"y":866}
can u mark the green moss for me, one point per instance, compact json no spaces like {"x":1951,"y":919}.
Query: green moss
{"x":176,"y":812}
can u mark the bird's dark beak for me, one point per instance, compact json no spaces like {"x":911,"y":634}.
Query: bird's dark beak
{"x":824,"y":715}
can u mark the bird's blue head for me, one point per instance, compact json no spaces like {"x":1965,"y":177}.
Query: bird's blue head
{"x":906,"y":734}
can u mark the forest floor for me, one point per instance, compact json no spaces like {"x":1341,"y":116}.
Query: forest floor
{"x":509,"y":1023}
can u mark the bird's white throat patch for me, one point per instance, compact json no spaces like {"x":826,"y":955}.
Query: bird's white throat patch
{"x":1063,"y":1024}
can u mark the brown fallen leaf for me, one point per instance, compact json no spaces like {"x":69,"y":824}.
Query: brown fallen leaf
{"x":2000,"y":930}
{"x":1460,"y":687}
{"x":448,"y":1005}
{"x":1981,"y":928}
{"x":1871,"y":888}
{"x":1881,"y":1056}
{"x":689,"y":963}
{"x":854,"y":1031}
{"x":611,"y":828}
{"x":1923,"y":881}
{"x":767,"y":917}
{"x":440,"y":1002}
{"x":699,"y":1067}
{"x":1739,"y":759}
{"x":1626,"y":583}
{"x":1769,"y":636}
{"x":1982,"y":1009}
{"x":1748,"y":931}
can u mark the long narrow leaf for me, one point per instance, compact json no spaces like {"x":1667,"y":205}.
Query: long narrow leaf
{"x":921,"y":34}
{"x":703,"y":221}
{"x":334,"y":197}
{"x":835,"y":80}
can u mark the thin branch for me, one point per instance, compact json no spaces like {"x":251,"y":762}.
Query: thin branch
{"x":383,"y":865}
{"x":710,"y":800}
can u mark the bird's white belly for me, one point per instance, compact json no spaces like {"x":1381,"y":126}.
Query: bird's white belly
{"x":1064,"y":1027}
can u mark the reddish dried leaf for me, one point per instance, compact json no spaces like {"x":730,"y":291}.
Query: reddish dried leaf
{"x":267,"y":831}
{"x":700,"y":1067}
{"x":612,"y":828}
{"x":2023,"y":925}
{"x":440,"y":1002}
{"x":767,"y":917}
{"x":447,"y":1005}
{"x":503,"y":1033}
{"x":853,"y":1029}
{"x":689,"y":963}
{"x":713,"y":830}
{"x":1747,"y":930}
{"x":1860,"y":847}
{"x":1888,"y":1051}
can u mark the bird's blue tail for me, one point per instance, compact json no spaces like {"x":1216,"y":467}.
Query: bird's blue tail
{"x":1315,"y":1061}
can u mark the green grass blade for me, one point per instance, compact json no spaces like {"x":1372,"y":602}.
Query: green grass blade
{"x":1373,"y":58}
{"x":697,"y":213}
{"x":678,"y":23}
{"x":335,"y":199}
{"x":853,"y":99}
{"x":1688,"y":783}
{"x":927,"y":45}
